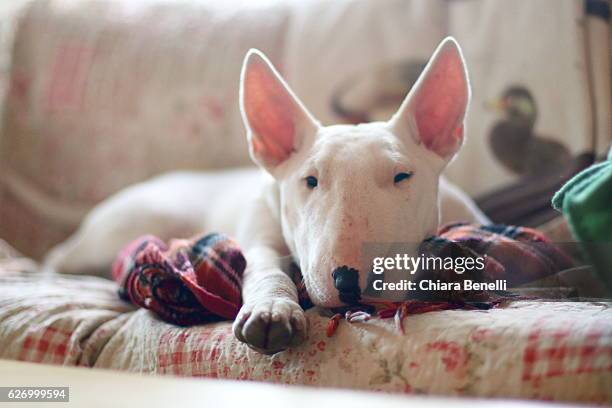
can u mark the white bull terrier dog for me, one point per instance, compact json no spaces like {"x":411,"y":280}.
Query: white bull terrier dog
{"x":325,"y":191}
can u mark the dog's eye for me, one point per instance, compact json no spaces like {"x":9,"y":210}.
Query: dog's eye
{"x":401,"y":177}
{"x":311,"y":182}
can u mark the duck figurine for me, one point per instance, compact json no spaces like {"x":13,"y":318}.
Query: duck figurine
{"x":514,"y":142}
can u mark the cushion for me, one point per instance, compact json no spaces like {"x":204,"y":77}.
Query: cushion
{"x":107,"y":93}
{"x":529,"y":349}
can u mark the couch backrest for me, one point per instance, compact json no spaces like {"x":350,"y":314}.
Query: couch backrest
{"x":107,"y":93}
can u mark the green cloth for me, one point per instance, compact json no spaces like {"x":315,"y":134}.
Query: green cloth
{"x":586,"y":202}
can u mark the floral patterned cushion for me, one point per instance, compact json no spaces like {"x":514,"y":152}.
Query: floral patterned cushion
{"x":528,"y":349}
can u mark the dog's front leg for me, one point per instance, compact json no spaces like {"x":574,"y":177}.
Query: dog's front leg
{"x":270,"y":319}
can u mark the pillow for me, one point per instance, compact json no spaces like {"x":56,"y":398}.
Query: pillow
{"x":108,"y":93}
{"x":553,"y":351}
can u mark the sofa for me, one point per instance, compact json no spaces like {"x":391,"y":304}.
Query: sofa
{"x":102,"y":94}
{"x":529,"y":349}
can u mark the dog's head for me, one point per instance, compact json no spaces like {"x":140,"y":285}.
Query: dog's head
{"x":345,"y":185}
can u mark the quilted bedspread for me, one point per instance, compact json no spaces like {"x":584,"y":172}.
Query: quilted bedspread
{"x":528,"y":349}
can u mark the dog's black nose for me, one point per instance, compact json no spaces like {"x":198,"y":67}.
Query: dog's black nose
{"x":346,"y":281}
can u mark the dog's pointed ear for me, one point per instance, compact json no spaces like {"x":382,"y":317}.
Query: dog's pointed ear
{"x":276,"y":121}
{"x":434,"y":111}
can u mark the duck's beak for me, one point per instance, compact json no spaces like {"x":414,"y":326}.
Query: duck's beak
{"x":497,"y":105}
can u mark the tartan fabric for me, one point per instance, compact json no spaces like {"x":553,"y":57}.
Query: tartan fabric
{"x":199,"y":280}
{"x":550,"y":355}
{"x":186,"y":282}
{"x":516,"y":254}
{"x":48,"y":344}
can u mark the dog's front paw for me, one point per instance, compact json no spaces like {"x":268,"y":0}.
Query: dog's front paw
{"x":270,"y":326}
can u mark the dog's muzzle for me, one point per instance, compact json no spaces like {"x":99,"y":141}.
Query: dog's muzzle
{"x":346,"y":281}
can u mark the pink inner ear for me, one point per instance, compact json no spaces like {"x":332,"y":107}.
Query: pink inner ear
{"x":271,"y":114}
{"x":440,"y":104}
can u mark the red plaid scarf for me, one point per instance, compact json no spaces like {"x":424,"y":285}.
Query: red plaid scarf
{"x":517,"y":254}
{"x":199,"y":280}
{"x":187,"y":282}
